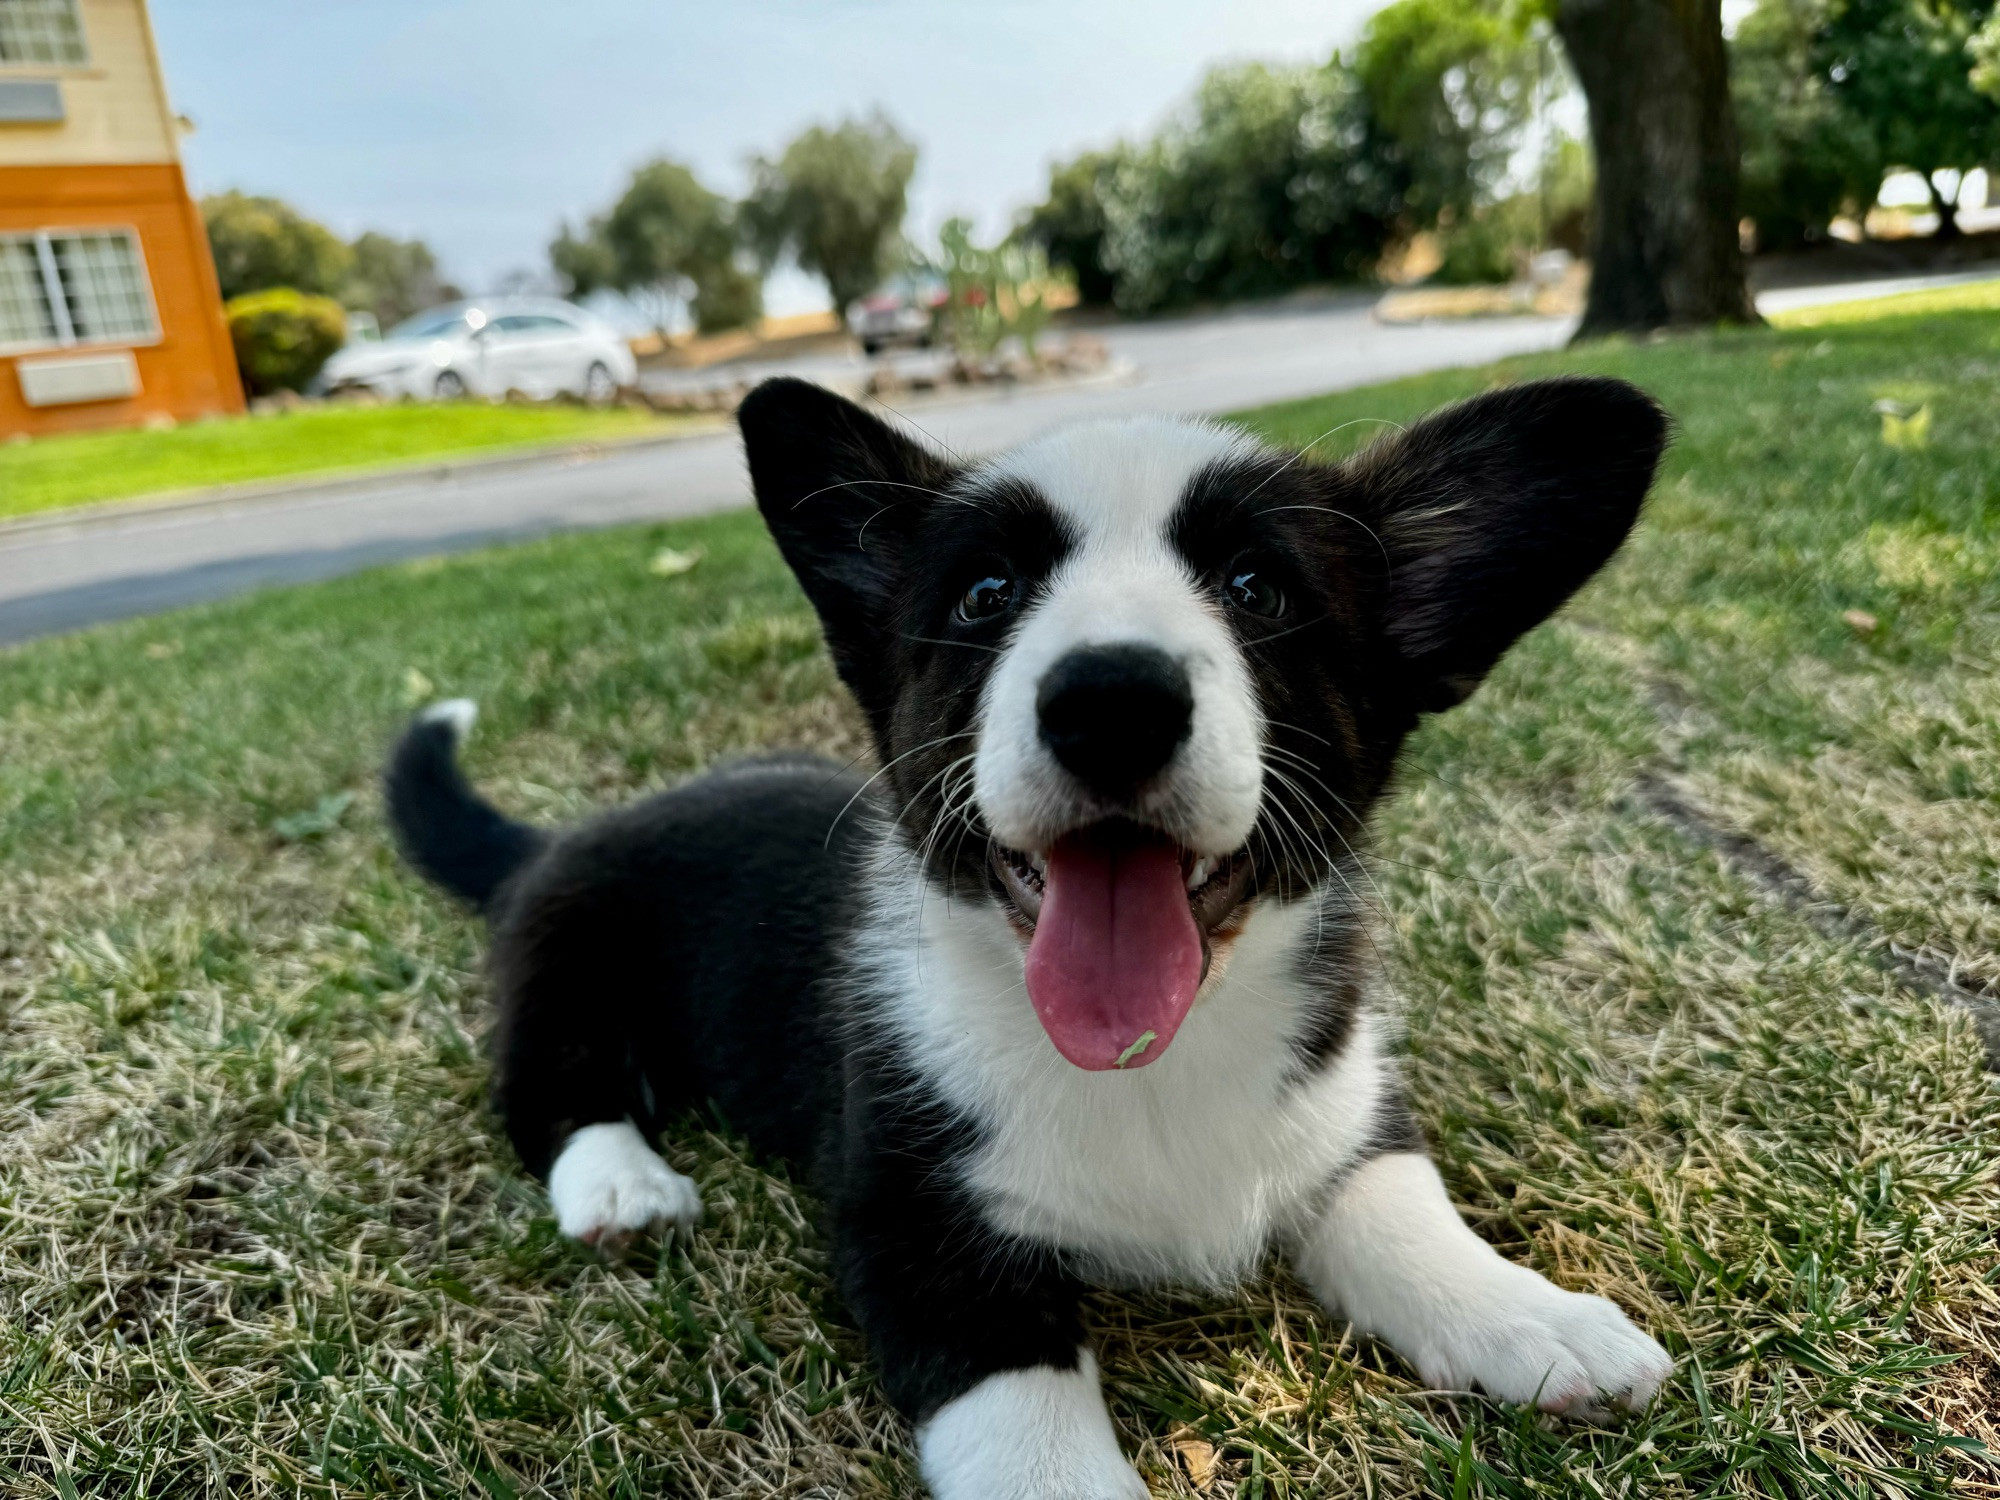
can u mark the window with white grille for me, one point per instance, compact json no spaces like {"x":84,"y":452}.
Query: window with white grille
{"x":41,"y":31}
{"x":24,"y":306}
{"x":74,"y":286}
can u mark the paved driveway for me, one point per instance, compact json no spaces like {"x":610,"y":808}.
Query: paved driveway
{"x":67,"y":574}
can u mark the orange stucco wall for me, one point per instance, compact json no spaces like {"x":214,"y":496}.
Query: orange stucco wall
{"x":191,"y":371}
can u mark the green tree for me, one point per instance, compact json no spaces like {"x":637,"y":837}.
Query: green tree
{"x":1274,"y":177}
{"x":726,"y":296}
{"x":667,"y":242}
{"x":260,"y":243}
{"x":393,"y":278}
{"x":1805,"y":158}
{"x":1070,"y":224}
{"x":1454,"y":82}
{"x":1985,"y":50}
{"x":835,"y":201}
{"x":584,"y":261}
{"x":1902,"y":70}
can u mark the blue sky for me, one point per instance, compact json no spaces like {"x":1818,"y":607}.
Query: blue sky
{"x":478,"y":124}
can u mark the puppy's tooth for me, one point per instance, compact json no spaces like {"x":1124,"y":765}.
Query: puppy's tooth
{"x":1198,"y":876}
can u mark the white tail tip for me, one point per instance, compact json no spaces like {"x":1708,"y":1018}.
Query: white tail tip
{"x":458,"y":713}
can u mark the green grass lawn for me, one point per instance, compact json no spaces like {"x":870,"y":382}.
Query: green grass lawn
{"x":55,"y":472}
{"x":261,"y":1239}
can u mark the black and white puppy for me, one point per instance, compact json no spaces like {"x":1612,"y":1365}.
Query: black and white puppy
{"x":1075,"y":989}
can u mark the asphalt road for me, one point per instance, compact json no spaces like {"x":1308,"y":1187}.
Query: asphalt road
{"x":65,"y":574}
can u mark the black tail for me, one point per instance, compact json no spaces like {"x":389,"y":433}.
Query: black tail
{"x":443,"y":827}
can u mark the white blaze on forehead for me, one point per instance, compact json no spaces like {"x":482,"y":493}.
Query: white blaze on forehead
{"x":1120,"y":482}
{"x":1119,"y":485}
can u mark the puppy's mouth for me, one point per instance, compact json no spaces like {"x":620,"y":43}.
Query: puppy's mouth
{"x":1120,"y":920}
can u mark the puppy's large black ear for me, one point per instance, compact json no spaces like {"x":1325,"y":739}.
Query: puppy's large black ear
{"x":841,"y":491}
{"x":1496,"y":510}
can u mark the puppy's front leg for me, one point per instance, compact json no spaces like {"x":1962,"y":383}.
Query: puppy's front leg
{"x":1039,"y":1433}
{"x":979,"y":1343}
{"x":1392,"y":1255}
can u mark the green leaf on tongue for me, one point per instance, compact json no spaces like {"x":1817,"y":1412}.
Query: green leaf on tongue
{"x":1144,"y":1040}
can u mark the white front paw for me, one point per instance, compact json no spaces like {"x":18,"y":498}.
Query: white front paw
{"x":1033,"y":1434}
{"x":609,"y":1185}
{"x":1520,"y":1338}
{"x":1392,"y":1253}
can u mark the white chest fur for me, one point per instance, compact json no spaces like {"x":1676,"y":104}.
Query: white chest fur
{"x":1180,"y":1170}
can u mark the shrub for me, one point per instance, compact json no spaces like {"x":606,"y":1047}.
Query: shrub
{"x":1494,"y":242}
{"x":282,"y":337}
{"x":1568,"y":191}
{"x":1805,"y":160}
{"x":993,"y":295}
{"x":727,"y":296}
{"x":1273,"y":178}
{"x":1480,"y":248}
{"x":1069,"y":225}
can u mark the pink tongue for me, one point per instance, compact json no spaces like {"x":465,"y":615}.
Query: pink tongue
{"x":1115,"y":959}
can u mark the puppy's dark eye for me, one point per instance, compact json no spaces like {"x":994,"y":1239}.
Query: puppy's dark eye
{"x":990,"y":596}
{"x":1253,"y":590}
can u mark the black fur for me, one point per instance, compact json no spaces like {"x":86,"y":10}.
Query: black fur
{"x":943,"y":1298}
{"x":674,"y":953}
{"x":442,"y":826}
{"x":678,"y":953}
{"x":690,"y":949}
{"x":1496,"y":510}
{"x":884,"y":538}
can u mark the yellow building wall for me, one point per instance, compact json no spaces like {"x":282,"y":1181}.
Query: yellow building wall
{"x":116,"y":104}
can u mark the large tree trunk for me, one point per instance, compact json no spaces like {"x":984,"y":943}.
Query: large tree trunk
{"x":1664,"y":245}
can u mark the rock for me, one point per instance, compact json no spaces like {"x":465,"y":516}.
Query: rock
{"x":1082,"y":352}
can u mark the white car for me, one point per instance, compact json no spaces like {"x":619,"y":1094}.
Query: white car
{"x":903,"y":312}
{"x":487,"y":348}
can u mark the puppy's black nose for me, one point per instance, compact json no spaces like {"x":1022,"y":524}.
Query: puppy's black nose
{"x":1114,"y":715}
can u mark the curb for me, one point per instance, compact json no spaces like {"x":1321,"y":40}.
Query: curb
{"x":172,"y":502}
